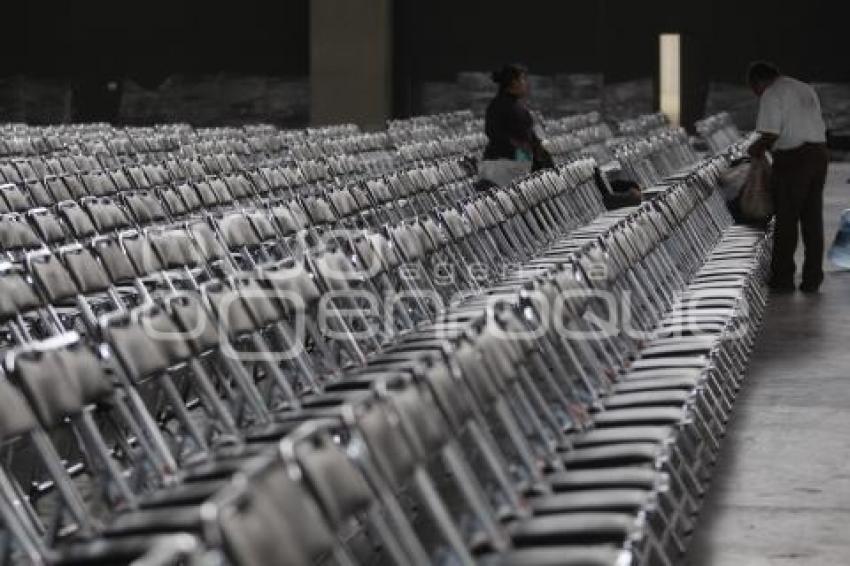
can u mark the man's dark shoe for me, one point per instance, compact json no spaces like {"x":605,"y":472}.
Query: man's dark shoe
{"x":809,"y":289}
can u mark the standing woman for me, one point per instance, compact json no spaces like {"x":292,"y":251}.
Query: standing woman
{"x":513,"y":147}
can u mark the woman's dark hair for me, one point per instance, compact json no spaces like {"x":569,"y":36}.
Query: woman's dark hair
{"x":761,"y":72}
{"x":508,"y":74}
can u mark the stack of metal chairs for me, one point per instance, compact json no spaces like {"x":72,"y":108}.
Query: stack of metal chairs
{"x":216,"y":353}
{"x":718,"y":131}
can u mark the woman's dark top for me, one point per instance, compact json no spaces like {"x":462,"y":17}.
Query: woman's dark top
{"x":509,"y":127}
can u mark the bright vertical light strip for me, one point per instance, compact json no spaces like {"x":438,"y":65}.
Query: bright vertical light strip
{"x":670,"y":67}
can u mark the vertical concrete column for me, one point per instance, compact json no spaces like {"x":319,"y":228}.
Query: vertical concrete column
{"x":351,"y":62}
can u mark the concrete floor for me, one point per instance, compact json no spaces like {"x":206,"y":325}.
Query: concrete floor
{"x":781,"y":491}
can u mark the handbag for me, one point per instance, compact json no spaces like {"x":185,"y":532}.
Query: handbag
{"x":839,"y":251}
{"x":756,"y":201}
{"x":733,"y":180}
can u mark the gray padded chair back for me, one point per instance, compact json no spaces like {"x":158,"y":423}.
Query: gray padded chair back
{"x":51,"y":396}
{"x":49,"y":229}
{"x":39,"y":193}
{"x":15,"y":199}
{"x":172,"y":201}
{"x":230,"y":310}
{"x":75,"y":186}
{"x":387,"y":444}
{"x":141,"y":356}
{"x":290,"y":218}
{"x":208,"y":196}
{"x":52,"y":277}
{"x":174,"y":248}
{"x":420,"y":420}
{"x":57,"y":188}
{"x":16,"y":234}
{"x":275,"y":522}
{"x":239,"y":186}
{"x":291,"y":279}
{"x":262,"y":225}
{"x":470,"y":362}
{"x":88,"y":274}
{"x":115,"y":262}
{"x":338,"y":486}
{"x":259,"y":302}
{"x":449,"y":394}
{"x":16,"y":295}
{"x":189,"y":315}
{"x":236,"y":231}
{"x":163,"y":331}
{"x":141,"y":253}
{"x":206,"y":241}
{"x":16,"y":418}
{"x":190,"y":197}
{"x":76,"y":219}
{"x":336,"y":271}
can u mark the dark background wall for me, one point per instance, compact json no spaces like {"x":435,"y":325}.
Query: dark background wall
{"x":620,"y":39}
{"x":92,"y":42}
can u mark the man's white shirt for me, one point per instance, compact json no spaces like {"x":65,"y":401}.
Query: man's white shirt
{"x":790,"y":109}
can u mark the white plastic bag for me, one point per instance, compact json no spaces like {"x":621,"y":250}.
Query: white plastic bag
{"x":839,"y":251}
{"x":732,"y":181}
{"x":502,"y":172}
{"x":756,"y":201}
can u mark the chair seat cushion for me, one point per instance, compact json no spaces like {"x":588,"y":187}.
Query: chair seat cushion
{"x":692,"y":319}
{"x":618,"y":500}
{"x":595,"y":437}
{"x":714,"y":291}
{"x":725,"y":312}
{"x":601,"y":555}
{"x":694,"y":362}
{"x":683,"y":382}
{"x":186,"y":518}
{"x":623,"y":477}
{"x":690,"y":328}
{"x":677,"y":347}
{"x":652,"y":415}
{"x":646,"y":398}
{"x":183,"y":494}
{"x":662,"y":372}
{"x":119,"y":550}
{"x":572,"y":528}
{"x":621,"y":454}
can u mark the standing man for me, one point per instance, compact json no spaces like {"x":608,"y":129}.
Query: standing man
{"x":791,"y":127}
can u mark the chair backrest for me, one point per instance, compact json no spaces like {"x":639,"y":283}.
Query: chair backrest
{"x":339,"y":487}
{"x":16,"y":234}
{"x":200,"y":331}
{"x":17,"y":295}
{"x":140,"y":355}
{"x":48,"y":226}
{"x":52,"y":278}
{"x":39,"y":193}
{"x":114,"y":260}
{"x":15,"y":199}
{"x":174,"y":248}
{"x":16,"y":417}
{"x":87,"y":272}
{"x":291,"y":281}
{"x":57,"y":188}
{"x":59,"y":377}
{"x":273,"y":520}
{"x":229,"y":308}
{"x":76,"y":219}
